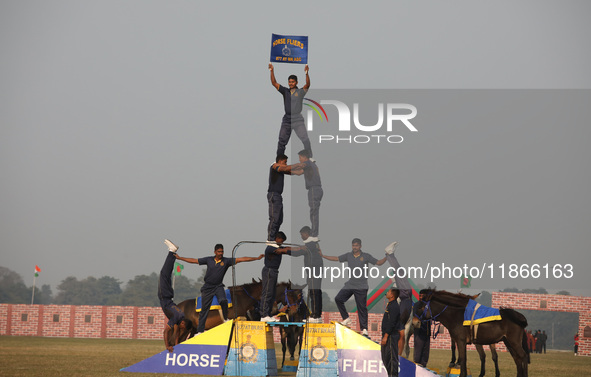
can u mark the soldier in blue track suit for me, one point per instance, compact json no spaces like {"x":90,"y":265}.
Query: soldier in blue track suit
{"x":307,"y":166}
{"x":214,"y":276}
{"x":274,"y":196}
{"x":292,"y":102}
{"x":177,"y":326}
{"x":356,"y":260}
{"x":270,"y":273}
{"x":314,"y":264}
{"x":392,"y":333}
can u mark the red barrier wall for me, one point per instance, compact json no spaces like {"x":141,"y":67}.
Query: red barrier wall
{"x":129,"y":322}
{"x":71,"y":321}
{"x":554,"y":303}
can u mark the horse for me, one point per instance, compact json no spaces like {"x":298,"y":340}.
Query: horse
{"x":293,"y":334}
{"x":408,"y":332}
{"x":448,"y":308}
{"x":482,"y":354}
{"x":245,"y":297}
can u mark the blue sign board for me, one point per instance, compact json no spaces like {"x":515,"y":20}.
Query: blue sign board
{"x":186,"y":358}
{"x":289,"y":49}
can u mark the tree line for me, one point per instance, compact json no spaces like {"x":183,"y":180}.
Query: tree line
{"x":139,"y":291}
{"x":104,"y":291}
{"x":142,"y":291}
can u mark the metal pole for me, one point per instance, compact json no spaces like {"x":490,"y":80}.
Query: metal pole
{"x":234,"y":265}
{"x":234,"y":281}
{"x":307,"y":325}
{"x":33,"y":295}
{"x":237,"y":341}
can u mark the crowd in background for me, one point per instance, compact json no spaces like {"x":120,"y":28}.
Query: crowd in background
{"x":537,"y":341}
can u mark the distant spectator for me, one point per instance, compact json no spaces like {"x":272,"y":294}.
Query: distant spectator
{"x":526,"y":334}
{"x":538,"y":337}
{"x":544,"y":338}
{"x":576,"y":344}
{"x":530,"y":341}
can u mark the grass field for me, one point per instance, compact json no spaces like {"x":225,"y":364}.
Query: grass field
{"x":58,"y":357}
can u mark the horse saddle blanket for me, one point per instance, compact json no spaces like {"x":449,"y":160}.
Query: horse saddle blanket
{"x":214,"y":304}
{"x":476,"y":314}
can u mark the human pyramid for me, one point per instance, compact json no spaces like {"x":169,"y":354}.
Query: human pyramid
{"x":217,"y":265}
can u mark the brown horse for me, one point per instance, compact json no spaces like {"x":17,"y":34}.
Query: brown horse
{"x":481,"y":353}
{"x":292,"y":335}
{"x":244,"y":298}
{"x":448,"y":308}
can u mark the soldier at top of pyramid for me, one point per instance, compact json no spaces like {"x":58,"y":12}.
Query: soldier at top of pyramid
{"x":293,"y":119}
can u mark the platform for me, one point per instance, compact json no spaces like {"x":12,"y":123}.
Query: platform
{"x":285,"y":324}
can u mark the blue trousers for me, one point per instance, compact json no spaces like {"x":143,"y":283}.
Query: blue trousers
{"x":401,"y":283}
{"x":207,"y":294}
{"x":297,"y":124}
{"x":269,"y":281}
{"x":275,"y":214}
{"x":360,"y":300}
{"x":315,"y":194}
{"x":405,"y":310}
{"x":421,"y":349}
{"x":315,"y":302}
{"x":165,"y":291}
{"x":390,"y":355}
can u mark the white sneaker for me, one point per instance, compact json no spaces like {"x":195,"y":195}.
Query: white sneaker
{"x":391,"y":247}
{"x":199,"y":333}
{"x":269,"y":319}
{"x":365,"y":333}
{"x":317,"y":320}
{"x":346,"y":322}
{"x":171,"y":247}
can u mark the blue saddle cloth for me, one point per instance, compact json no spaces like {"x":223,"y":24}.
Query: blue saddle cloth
{"x":214,"y":304}
{"x":483,"y":314}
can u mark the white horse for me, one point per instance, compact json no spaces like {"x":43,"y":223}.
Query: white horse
{"x":408,"y":331}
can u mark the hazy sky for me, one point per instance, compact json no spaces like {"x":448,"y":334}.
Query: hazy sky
{"x":126,"y":122}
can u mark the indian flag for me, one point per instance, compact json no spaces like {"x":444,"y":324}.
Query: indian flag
{"x":37,"y":270}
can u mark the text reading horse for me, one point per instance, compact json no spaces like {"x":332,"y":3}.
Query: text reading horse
{"x":448,"y":308}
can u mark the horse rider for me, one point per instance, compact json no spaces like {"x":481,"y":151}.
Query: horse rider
{"x":217,"y":266}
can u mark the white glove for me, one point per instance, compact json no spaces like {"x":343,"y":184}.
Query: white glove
{"x":391,"y":247}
